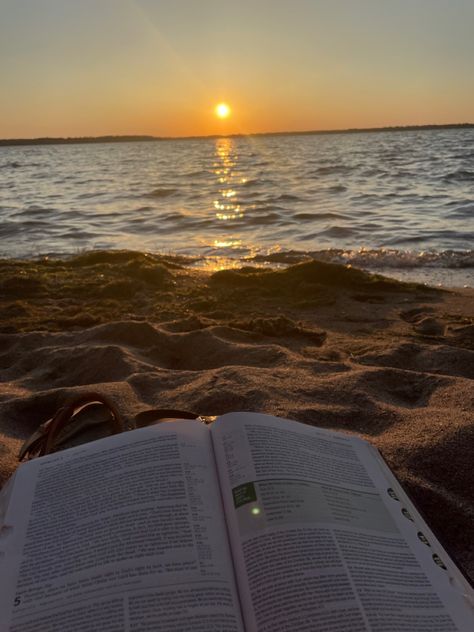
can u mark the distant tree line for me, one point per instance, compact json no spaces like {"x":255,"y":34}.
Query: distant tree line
{"x":128,"y":139}
{"x":79,"y":139}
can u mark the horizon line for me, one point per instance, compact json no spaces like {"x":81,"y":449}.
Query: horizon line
{"x":117,"y":138}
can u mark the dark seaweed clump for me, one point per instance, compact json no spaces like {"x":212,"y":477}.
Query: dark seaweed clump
{"x":307,"y":278}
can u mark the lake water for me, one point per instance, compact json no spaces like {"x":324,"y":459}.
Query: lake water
{"x":397,"y":202}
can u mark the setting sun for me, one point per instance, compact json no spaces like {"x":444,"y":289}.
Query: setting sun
{"x":222,"y":111}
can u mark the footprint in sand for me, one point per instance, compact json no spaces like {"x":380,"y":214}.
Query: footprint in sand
{"x":423,"y":323}
{"x":429,"y":326}
{"x":462,"y":336}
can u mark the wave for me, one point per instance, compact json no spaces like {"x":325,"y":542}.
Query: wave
{"x":463,"y":211}
{"x":13,"y":164}
{"x":337,"y":232}
{"x":314,"y":217}
{"x":262,"y":219}
{"x":197,"y":173}
{"x":8,"y":229}
{"x":331,"y":169}
{"x":460,"y":175}
{"x":251,"y":182}
{"x":377,"y":258}
{"x":91,"y":196}
{"x":162,"y":193}
{"x":288,"y":197}
{"x":35,"y":210}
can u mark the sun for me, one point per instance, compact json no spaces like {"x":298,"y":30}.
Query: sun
{"x":222,"y":110}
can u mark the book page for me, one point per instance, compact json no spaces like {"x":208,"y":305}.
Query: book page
{"x":318,"y":543}
{"x":125,"y":533}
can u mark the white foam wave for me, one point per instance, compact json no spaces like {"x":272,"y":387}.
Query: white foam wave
{"x":394,"y":258}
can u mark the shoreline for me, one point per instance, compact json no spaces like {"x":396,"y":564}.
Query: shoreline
{"x":454,"y":271}
{"x":103,"y":283}
{"x":321,"y":343}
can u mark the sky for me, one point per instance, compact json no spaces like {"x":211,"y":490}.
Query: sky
{"x":159,"y":67}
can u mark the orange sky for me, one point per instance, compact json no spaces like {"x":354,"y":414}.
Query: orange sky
{"x":147,"y":67}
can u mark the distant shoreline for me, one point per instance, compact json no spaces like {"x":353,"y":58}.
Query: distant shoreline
{"x":132,"y":138}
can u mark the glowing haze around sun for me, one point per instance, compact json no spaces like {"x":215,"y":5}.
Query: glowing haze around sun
{"x":222,"y":110}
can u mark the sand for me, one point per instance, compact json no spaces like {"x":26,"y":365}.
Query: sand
{"x":323,"y":344}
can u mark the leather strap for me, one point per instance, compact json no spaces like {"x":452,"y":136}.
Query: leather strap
{"x":64,"y":414}
{"x":44,"y":440}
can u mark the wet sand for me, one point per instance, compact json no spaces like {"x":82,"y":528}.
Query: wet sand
{"x":324,"y":344}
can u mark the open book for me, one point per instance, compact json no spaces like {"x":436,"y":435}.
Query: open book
{"x":253,"y":523}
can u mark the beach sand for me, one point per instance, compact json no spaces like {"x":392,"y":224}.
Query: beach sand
{"x":323,"y":344}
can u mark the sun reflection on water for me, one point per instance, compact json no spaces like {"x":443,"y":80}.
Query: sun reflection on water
{"x":227,"y":243}
{"x":230,"y":205}
{"x":226,"y":160}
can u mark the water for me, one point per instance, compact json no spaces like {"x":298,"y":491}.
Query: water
{"x":397,"y":202}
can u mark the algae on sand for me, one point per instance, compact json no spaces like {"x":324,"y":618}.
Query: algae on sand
{"x":100,"y":286}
